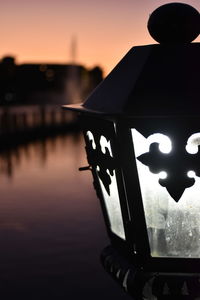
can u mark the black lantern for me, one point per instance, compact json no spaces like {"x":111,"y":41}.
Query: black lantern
{"x":142,"y":131}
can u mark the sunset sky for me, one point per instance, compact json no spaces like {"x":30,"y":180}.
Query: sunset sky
{"x":104,"y":30}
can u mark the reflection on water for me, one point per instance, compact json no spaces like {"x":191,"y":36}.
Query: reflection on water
{"x":51,"y":228}
{"x":41,"y":153}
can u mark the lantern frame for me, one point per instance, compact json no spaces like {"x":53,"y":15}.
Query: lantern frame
{"x":135,"y":247}
{"x":161,"y":264}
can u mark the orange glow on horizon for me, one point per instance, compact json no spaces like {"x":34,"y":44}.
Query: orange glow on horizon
{"x":42,"y":31}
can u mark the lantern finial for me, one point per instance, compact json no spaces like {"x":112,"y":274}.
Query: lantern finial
{"x":174,"y":23}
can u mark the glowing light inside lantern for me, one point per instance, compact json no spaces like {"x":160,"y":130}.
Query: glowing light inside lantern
{"x":112,"y":202}
{"x":191,"y":174}
{"x":165,"y":144}
{"x":91,"y":138}
{"x":193,"y":143}
{"x":163,"y":175}
{"x":105,"y":144}
{"x":173,"y":227}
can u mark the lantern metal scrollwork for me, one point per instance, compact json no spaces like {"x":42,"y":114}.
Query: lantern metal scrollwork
{"x":165,"y":163}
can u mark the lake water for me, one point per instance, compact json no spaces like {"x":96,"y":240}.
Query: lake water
{"x":51,"y":227}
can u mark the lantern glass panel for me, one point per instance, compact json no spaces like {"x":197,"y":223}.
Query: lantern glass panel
{"x":109,"y":192}
{"x":173,"y":226}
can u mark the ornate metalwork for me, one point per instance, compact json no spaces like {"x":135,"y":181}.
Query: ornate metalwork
{"x":176,"y":164}
{"x":149,"y":285}
{"x":102,"y":161}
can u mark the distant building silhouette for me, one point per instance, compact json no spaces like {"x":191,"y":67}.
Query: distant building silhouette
{"x":45,"y":83}
{"x":8,"y":73}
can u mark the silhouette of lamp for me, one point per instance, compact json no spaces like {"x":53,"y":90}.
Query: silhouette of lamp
{"x":142,"y":131}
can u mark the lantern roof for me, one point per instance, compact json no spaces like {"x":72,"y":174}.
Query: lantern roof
{"x":158,"y":79}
